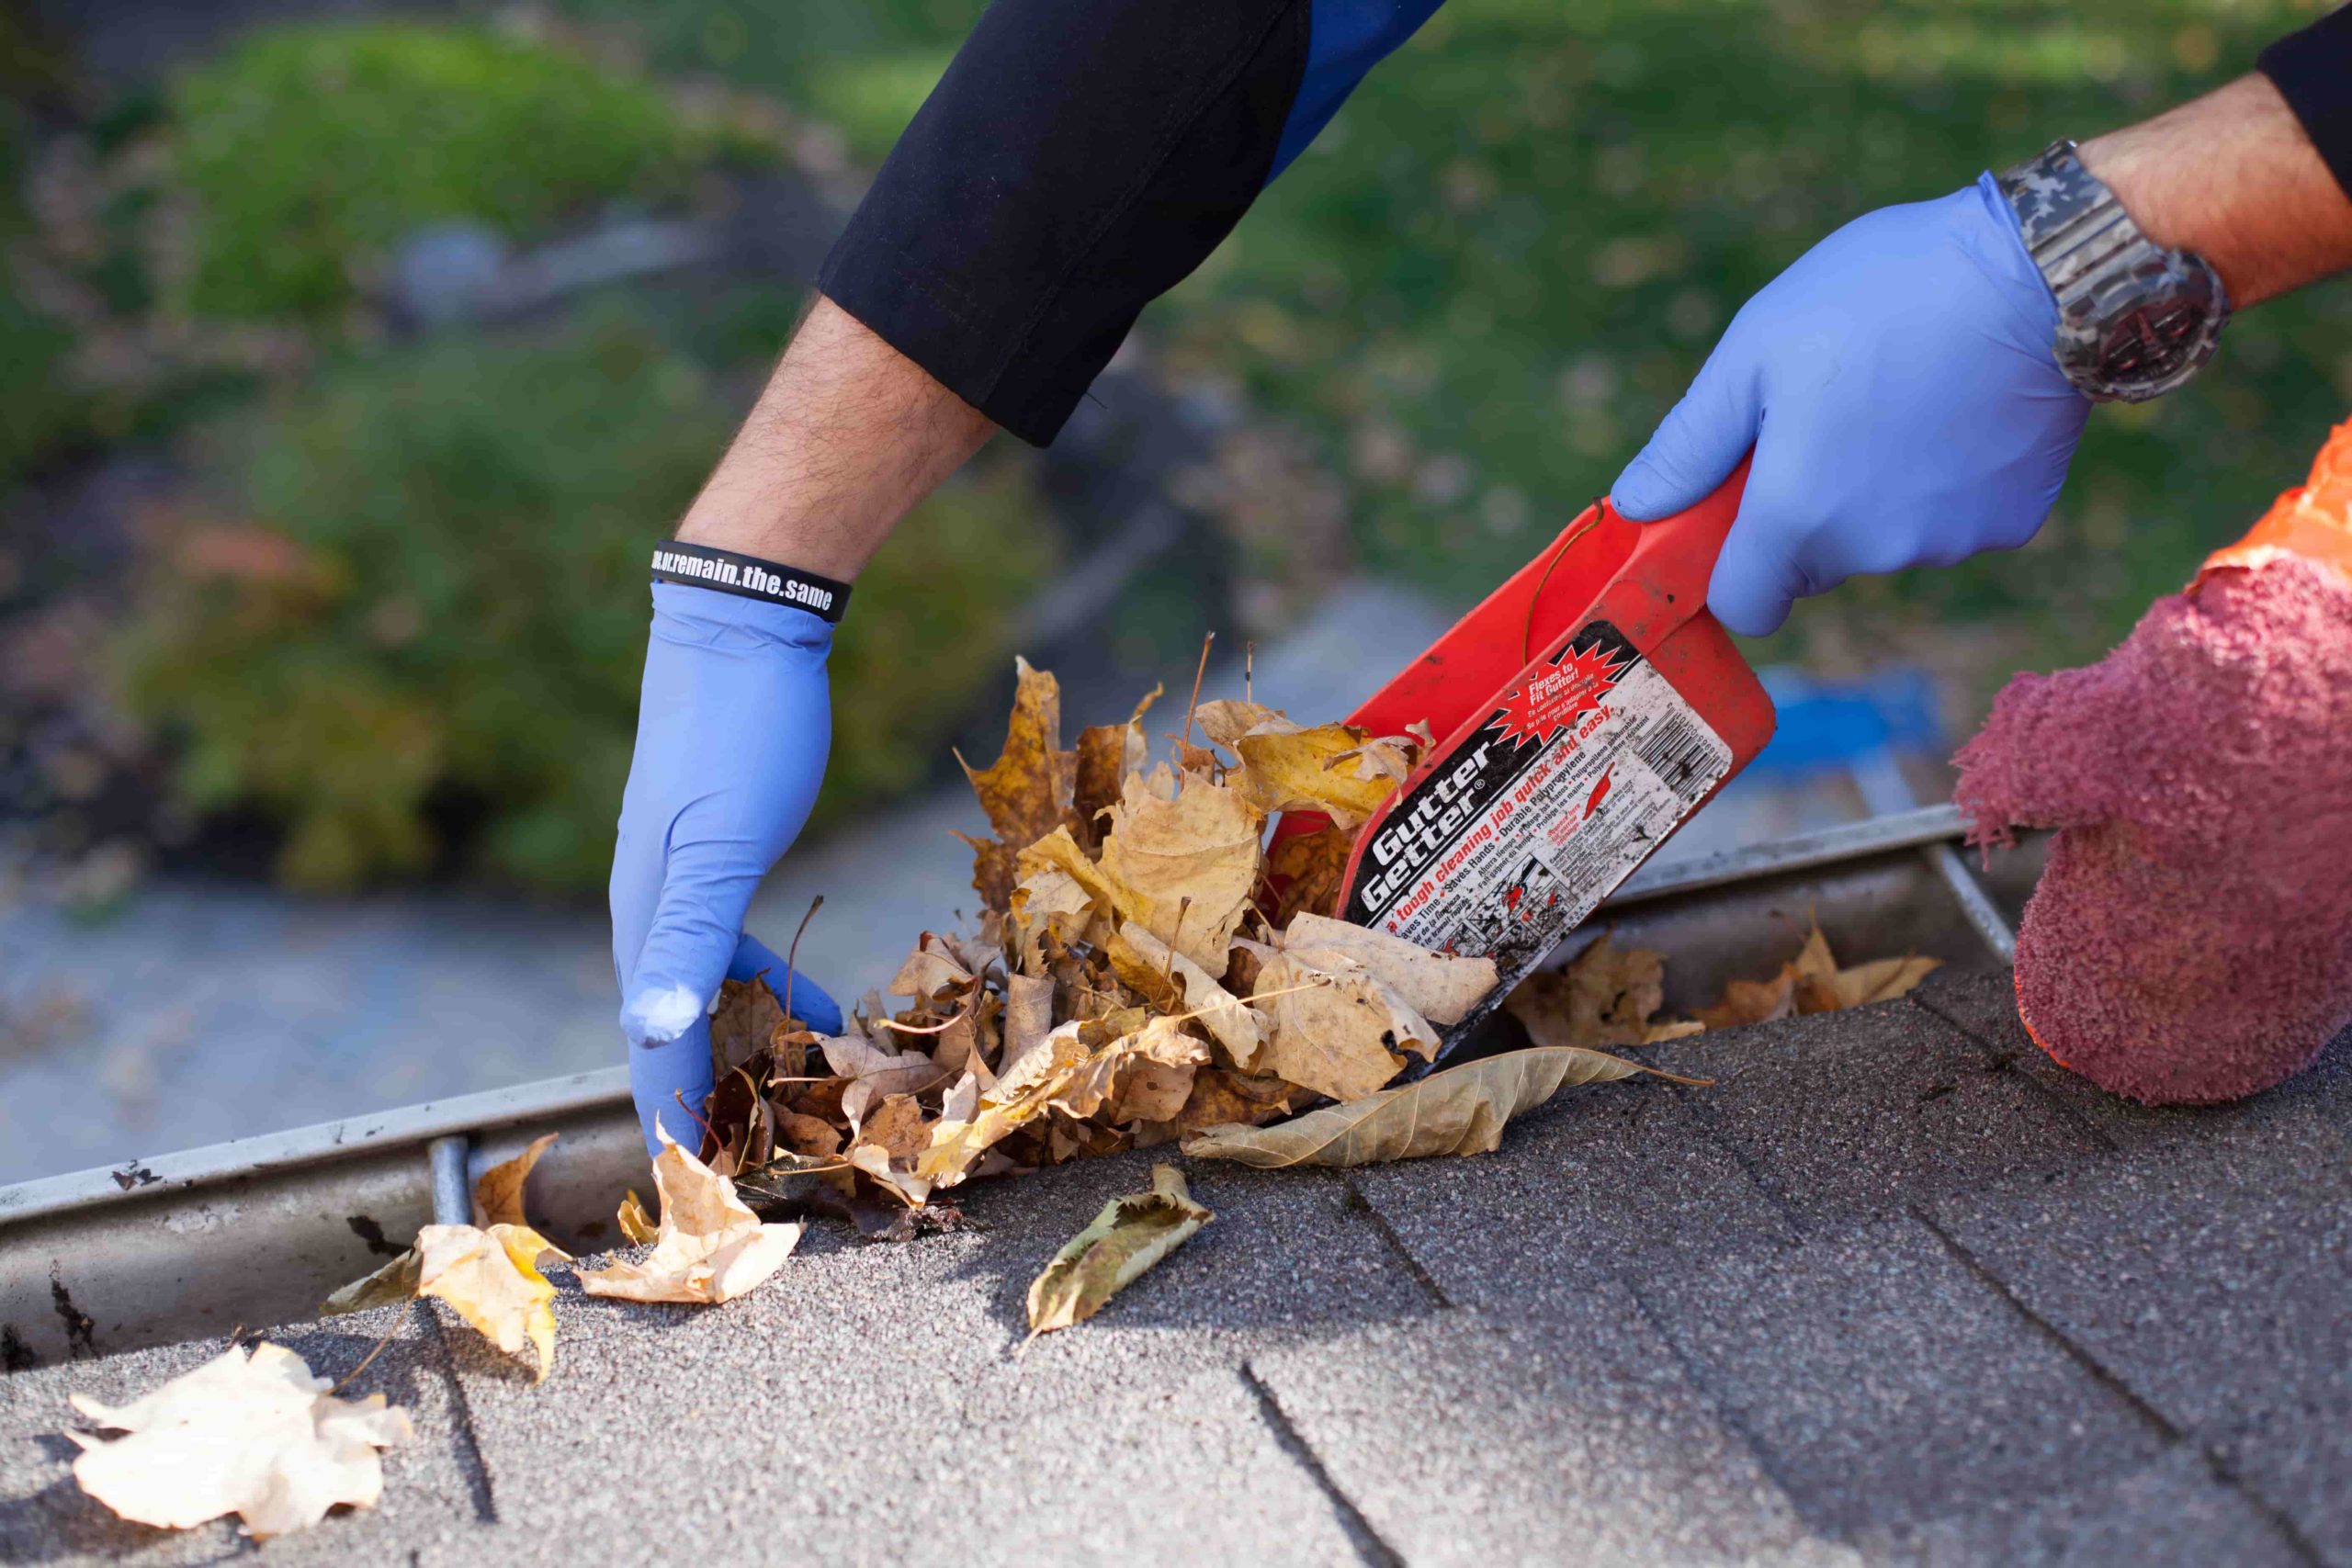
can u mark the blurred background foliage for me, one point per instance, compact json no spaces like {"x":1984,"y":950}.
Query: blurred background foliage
{"x":394,"y":605}
{"x":425,"y":600}
{"x":305,"y":153}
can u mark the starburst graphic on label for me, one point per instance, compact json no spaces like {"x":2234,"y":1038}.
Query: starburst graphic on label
{"x":1555,"y":697}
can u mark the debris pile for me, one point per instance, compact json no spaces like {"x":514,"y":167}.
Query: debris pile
{"x":1142,"y":968}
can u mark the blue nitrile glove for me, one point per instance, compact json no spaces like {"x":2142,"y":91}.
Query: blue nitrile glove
{"x":1899,"y":387}
{"x":731,"y":734}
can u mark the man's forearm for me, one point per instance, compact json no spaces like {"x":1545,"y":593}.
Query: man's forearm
{"x":2234,"y":177}
{"x":849,"y":436}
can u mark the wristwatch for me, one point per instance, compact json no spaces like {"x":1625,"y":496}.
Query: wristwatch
{"x":2135,"y":320}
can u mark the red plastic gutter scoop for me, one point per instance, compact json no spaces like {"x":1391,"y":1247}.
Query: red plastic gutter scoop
{"x":1583,"y":712}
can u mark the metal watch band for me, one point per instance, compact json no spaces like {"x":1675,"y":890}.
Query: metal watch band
{"x":701,"y":566}
{"x":2135,"y":320}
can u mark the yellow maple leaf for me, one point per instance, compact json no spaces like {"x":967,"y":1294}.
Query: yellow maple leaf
{"x":498,"y":1191}
{"x":491,"y":1278}
{"x":1287,"y":769}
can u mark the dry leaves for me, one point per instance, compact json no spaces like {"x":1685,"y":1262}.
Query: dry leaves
{"x":709,"y":1247}
{"x":637,"y":1225}
{"x":1339,"y":1032}
{"x":1026,"y":791}
{"x":1183,"y":867}
{"x":1144,"y":968}
{"x":257,"y":1437}
{"x":1127,"y":1238}
{"x":1328,"y":769}
{"x":1812,"y":982}
{"x":1607,"y":998}
{"x":498,"y":1193}
{"x":396,"y":1281}
{"x":1610,"y":996}
{"x":1438,"y":986}
{"x":1140,"y":969}
{"x":1461,"y":1110}
{"x":491,"y":1278}
{"x":489,"y":1274}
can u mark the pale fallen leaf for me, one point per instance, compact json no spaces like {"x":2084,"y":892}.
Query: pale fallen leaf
{"x":1605,"y":998}
{"x":1187,"y":866}
{"x":876,"y":1162}
{"x":877,"y":1072}
{"x":498,"y":1193}
{"x":1288,"y":768}
{"x":1338,"y":1030}
{"x":637,"y":1225}
{"x":930,"y":969}
{"x":257,"y":1437}
{"x":1128,"y":1237}
{"x":1149,"y":966}
{"x":709,"y":1249}
{"x":1461,"y":1110}
{"x":491,"y":1278}
{"x":1226,"y":719}
{"x":395,"y":1281}
{"x":1438,"y":986}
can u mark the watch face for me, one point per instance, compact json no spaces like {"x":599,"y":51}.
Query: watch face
{"x":2141,"y":330}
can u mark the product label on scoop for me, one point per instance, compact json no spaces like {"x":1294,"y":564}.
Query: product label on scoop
{"x":1544,"y":810}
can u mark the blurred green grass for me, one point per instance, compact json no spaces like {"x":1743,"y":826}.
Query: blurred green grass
{"x":1497,"y":269}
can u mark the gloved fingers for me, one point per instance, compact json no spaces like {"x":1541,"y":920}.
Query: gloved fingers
{"x":1760,"y":574}
{"x":1702,"y":440}
{"x":669,"y":1081}
{"x":809,"y":1002}
{"x":707,"y":886}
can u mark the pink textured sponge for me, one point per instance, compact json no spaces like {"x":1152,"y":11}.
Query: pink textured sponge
{"x":2191,"y":938}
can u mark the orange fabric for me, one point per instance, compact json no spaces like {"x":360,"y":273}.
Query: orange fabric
{"x":2314,"y":520}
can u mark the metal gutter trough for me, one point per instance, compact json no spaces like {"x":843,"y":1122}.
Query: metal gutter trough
{"x":255,"y":1232}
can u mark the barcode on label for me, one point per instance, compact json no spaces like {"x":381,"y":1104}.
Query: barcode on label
{"x":1681,"y":754}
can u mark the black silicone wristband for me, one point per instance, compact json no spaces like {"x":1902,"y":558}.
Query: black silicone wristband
{"x":700,"y":566}
{"x":2312,"y":71}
